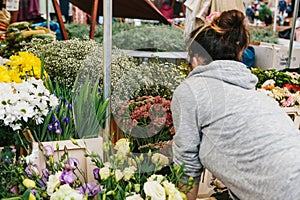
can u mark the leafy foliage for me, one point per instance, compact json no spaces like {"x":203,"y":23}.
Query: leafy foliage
{"x":11,"y":173}
{"x":263,"y":35}
{"x":81,"y":31}
{"x":127,"y":36}
{"x":89,"y":109}
{"x":156,"y":38}
{"x":279,"y":77}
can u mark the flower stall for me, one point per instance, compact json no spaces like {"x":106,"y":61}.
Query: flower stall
{"x":64,"y":126}
{"x":52,"y":106}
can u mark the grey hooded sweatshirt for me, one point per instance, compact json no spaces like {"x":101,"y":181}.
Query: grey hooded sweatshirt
{"x":239,"y":134}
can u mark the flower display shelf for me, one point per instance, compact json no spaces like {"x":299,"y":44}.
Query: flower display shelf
{"x":75,"y":151}
{"x":294,"y":113}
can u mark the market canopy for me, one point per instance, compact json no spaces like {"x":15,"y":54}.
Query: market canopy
{"x":138,"y":9}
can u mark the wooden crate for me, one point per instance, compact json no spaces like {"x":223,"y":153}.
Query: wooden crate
{"x":84,"y":145}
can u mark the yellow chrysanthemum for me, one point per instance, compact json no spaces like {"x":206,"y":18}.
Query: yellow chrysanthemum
{"x":20,"y":67}
{"x":4,"y":75}
{"x":15,"y":76}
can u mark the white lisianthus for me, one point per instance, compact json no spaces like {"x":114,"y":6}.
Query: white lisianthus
{"x":154,"y":190}
{"x":53,"y":183}
{"x":131,"y":162}
{"x":104,"y":173}
{"x":134,"y":197}
{"x":119,"y":175}
{"x":66,"y":192}
{"x":121,"y":155}
{"x":154,"y":177}
{"x":159,"y":159}
{"x":171,"y":191}
{"x":128,"y":172}
{"x":123,"y":145}
{"x":107,"y":164}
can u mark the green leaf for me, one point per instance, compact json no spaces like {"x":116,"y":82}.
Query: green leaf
{"x":26,"y":195}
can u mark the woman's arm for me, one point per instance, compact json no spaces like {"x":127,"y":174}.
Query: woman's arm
{"x":186,"y":141}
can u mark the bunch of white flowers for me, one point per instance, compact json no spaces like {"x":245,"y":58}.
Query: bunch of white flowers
{"x":24,"y":102}
{"x":157,"y":187}
{"x":66,"y":192}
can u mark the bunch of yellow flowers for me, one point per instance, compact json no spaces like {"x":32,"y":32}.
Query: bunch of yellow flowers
{"x":20,"y":67}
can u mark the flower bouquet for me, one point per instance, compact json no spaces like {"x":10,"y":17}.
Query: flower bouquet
{"x":60,"y":179}
{"x":124,"y":175}
{"x":147,"y":121}
{"x":128,"y":175}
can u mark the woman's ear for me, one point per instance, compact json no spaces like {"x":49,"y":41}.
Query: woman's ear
{"x":196,"y":61}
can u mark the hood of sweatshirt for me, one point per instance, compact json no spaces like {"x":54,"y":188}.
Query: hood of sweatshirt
{"x":232,"y":72}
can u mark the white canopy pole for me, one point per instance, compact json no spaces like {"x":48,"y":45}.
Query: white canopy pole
{"x":275,"y":16}
{"x":292,"y":36}
{"x":47,"y":14}
{"x":107,"y":50}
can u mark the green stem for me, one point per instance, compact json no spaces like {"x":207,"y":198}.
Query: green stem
{"x":12,"y":198}
{"x":22,"y":143}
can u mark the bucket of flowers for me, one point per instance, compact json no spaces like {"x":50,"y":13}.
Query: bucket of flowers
{"x":120,"y":174}
{"x":129,"y":175}
{"x":25,"y":101}
{"x":61,"y":178}
{"x":147,"y":122}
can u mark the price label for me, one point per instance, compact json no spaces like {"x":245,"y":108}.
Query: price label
{"x":12,"y":5}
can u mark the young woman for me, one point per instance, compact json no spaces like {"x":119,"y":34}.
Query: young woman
{"x":223,"y":124}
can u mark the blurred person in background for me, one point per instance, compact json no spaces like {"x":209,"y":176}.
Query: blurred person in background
{"x":167,"y":9}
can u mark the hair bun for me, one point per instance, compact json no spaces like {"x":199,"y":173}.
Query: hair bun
{"x":229,"y":19}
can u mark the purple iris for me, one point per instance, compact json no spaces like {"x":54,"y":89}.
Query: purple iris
{"x":91,"y":189}
{"x":56,"y":123}
{"x":67,"y":177}
{"x":68,"y":105}
{"x":67,"y":120}
{"x":73,"y":162}
{"x":49,"y":150}
{"x":58,"y":131}
{"x":96,"y":173}
{"x":53,"y":117}
{"x":50,"y":127}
